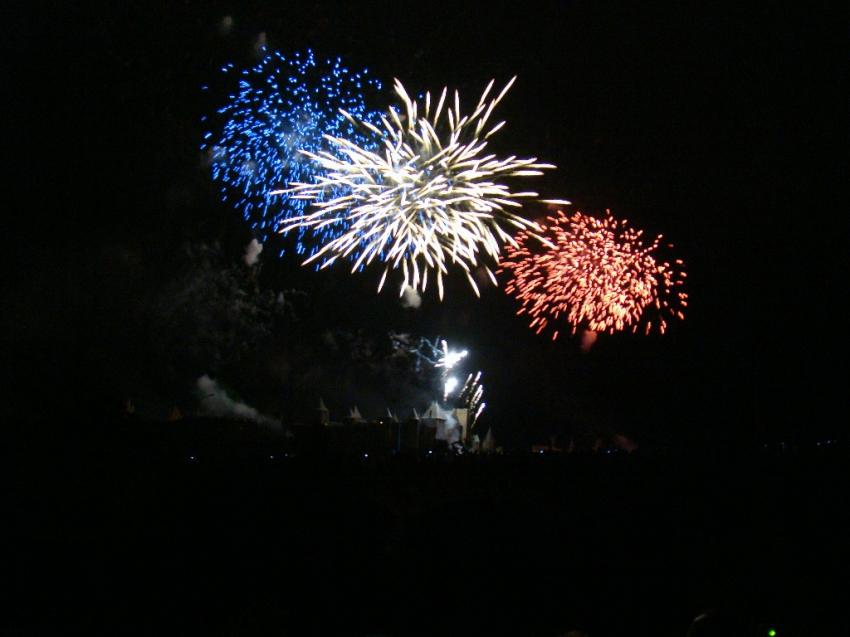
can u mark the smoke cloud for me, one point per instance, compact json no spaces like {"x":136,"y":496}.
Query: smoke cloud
{"x":252,"y":252}
{"x":588,"y":338}
{"x":410,"y":297}
{"x":449,"y":430}
{"x":216,"y":402}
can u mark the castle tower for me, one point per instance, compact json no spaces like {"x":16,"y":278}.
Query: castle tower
{"x":323,"y":415}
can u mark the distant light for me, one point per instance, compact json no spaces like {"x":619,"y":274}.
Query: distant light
{"x":771,"y":633}
{"x":365,"y":455}
{"x":430,"y":452}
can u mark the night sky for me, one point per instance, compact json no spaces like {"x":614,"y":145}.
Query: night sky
{"x":693,"y":121}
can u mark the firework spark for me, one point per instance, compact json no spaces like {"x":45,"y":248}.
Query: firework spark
{"x":471,"y":398}
{"x":594,"y":274}
{"x":448,"y":358}
{"x":281,"y":105}
{"x":438,"y":355}
{"x":429,"y":197}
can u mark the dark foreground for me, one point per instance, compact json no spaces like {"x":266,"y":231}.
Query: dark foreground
{"x":114,"y":537}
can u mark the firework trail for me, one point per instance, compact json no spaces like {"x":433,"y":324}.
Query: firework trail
{"x":448,"y":360}
{"x":428,"y":197}
{"x":471,"y":395}
{"x":276,"y":108}
{"x":594,"y":274}
{"x":437,"y":355}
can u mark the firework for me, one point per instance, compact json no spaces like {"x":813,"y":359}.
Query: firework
{"x":448,"y":358}
{"x":436,"y":354}
{"x":594,"y":274}
{"x":429,"y":197}
{"x":277,"y":107}
{"x":471,"y":395}
{"x":449,"y":386}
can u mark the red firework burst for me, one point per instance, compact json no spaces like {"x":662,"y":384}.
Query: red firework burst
{"x":594,"y":274}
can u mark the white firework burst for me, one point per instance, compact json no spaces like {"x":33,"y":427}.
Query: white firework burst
{"x":427,"y":199}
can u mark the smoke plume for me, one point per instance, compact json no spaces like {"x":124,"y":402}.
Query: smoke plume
{"x":410,"y":297}
{"x":214,"y":401}
{"x":447,"y":430}
{"x":252,"y":252}
{"x":588,"y":338}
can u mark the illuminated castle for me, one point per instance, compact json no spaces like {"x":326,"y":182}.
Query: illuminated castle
{"x":435,"y":430}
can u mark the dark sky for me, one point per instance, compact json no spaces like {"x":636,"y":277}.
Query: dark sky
{"x":692,"y":120}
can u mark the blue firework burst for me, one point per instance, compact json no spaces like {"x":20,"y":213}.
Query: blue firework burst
{"x":276,"y":108}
